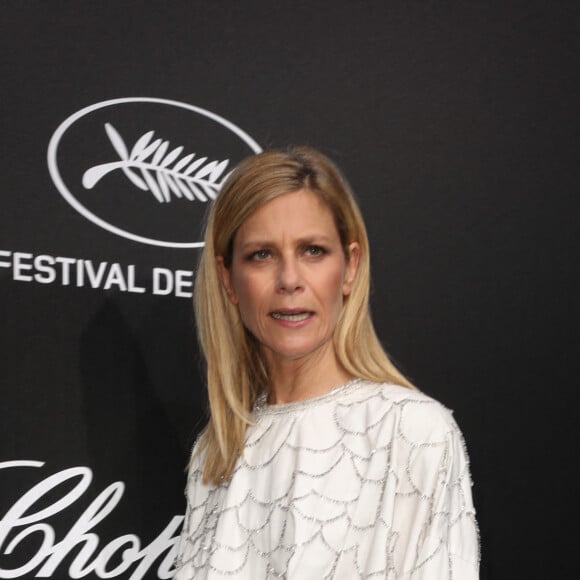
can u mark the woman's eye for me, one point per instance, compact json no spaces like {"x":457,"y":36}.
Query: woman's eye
{"x":260,"y":255}
{"x":315,"y":251}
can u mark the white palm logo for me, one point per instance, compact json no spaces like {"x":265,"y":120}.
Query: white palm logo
{"x":149,"y":167}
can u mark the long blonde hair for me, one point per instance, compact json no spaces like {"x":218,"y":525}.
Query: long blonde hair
{"x":236,"y":371}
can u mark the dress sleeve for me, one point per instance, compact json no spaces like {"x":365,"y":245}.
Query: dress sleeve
{"x":437,"y":536}
{"x":191,"y":552}
{"x":180,"y":571}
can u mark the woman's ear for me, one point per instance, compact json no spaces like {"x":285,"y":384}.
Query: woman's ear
{"x":226,"y":279}
{"x":351,"y":267}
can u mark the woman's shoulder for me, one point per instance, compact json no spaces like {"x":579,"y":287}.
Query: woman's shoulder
{"x":420,"y":416}
{"x":390,"y":392}
{"x":398,"y":394}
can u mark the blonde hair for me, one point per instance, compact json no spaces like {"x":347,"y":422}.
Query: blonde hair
{"x":236,"y":371}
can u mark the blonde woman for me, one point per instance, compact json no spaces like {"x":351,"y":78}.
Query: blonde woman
{"x":320,"y":459}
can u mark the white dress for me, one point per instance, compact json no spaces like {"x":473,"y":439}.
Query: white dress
{"x":367,"y":481}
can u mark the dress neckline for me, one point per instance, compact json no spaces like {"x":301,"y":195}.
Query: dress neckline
{"x":261,"y":407}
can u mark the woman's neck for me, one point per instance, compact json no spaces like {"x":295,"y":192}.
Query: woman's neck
{"x":303,"y":378}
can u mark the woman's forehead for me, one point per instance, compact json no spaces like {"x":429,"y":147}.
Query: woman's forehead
{"x":301,"y":213}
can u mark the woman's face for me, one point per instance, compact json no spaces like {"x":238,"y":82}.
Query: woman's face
{"x":289,"y":275}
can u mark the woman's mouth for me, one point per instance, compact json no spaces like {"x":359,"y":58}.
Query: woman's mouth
{"x":294,"y":316}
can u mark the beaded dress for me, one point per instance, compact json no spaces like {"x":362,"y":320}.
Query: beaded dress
{"x":367,"y":481}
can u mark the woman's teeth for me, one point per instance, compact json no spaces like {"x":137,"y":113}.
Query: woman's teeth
{"x":296,"y":317}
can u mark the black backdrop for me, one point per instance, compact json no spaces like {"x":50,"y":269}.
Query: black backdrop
{"x":456,"y":125}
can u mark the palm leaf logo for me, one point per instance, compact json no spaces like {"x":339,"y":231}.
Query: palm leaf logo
{"x":152,"y":166}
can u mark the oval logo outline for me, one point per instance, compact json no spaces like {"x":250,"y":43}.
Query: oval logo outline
{"x":86,"y":213}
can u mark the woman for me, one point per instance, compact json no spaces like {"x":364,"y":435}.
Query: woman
{"x":320,"y":459}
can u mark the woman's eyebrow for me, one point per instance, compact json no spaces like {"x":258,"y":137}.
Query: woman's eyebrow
{"x":256,"y":243}
{"x":315,"y":238}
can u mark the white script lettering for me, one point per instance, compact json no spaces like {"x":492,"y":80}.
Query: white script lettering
{"x":125,"y":551}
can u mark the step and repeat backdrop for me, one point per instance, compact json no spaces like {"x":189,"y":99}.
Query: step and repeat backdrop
{"x":454,"y":123}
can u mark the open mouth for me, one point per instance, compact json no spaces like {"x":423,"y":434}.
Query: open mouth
{"x":291,"y":316}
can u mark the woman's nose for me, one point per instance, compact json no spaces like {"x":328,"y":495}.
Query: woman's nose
{"x":289,"y":277}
